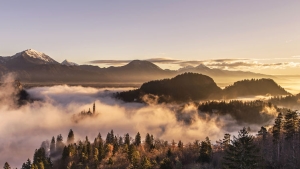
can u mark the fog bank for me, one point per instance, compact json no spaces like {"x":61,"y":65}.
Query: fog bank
{"x":24,"y":128}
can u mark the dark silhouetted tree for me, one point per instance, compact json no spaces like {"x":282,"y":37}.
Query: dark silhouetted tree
{"x":71,"y":137}
{"x":137,"y":140}
{"x":242,"y":153}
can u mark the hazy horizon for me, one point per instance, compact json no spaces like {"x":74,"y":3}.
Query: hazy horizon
{"x":251,"y":36}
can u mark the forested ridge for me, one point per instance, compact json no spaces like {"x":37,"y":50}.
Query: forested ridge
{"x":194,"y":87}
{"x":252,"y":112}
{"x":275,"y":147}
{"x":289,"y":101}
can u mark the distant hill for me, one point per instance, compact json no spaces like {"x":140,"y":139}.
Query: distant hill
{"x":253,"y":87}
{"x":253,"y":112}
{"x":290,"y":101}
{"x":184,"y":87}
{"x":193,"y":87}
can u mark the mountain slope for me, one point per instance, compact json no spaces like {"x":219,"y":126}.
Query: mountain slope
{"x":254,"y":87}
{"x":194,"y":87}
{"x":184,"y":87}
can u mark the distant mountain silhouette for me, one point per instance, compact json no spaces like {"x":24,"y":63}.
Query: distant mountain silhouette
{"x":68,"y":63}
{"x":32,"y":66}
{"x":194,"y":87}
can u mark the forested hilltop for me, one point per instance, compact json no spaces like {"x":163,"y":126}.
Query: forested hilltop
{"x":195,"y":87}
{"x":275,"y":147}
{"x":254,"y":87}
{"x":290,"y":101}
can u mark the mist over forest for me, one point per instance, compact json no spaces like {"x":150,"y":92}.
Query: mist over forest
{"x":51,"y":111}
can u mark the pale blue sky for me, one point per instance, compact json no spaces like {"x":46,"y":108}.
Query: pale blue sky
{"x":82,"y":31}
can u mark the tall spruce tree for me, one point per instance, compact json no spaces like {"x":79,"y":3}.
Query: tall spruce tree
{"x":127,"y":139}
{"x":71,"y":138}
{"x":6,"y":166}
{"x":137,"y":140}
{"x":26,"y":165}
{"x":205,"y":151}
{"x":290,"y":127}
{"x":52,"y":147}
{"x":276,"y":132}
{"x":242,"y":153}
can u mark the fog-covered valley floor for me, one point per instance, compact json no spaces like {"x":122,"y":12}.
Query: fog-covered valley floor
{"x":24,"y":128}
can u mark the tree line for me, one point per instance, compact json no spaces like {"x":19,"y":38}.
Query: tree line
{"x":275,"y":147}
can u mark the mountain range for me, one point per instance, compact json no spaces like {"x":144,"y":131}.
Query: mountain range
{"x":31,"y":66}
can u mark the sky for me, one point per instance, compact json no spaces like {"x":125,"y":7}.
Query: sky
{"x":262,"y":36}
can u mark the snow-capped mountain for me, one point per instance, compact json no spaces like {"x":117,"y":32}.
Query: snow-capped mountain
{"x":68,"y":63}
{"x":33,"y":56}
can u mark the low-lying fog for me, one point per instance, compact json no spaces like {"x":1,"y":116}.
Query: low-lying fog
{"x":23,"y":129}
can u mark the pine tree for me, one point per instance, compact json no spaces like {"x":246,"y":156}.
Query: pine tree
{"x":108,"y":139}
{"x":137,"y":140}
{"x":242,"y":153}
{"x":290,"y":130}
{"x":127,"y":139}
{"x":166,"y":164}
{"x":6,"y":166}
{"x":180,"y":144}
{"x":149,"y":141}
{"x":145,"y":163}
{"x":226,"y":141}
{"x":205,"y":151}
{"x":276,"y":132}
{"x":262,"y":134}
{"x":52,"y":147}
{"x":71,"y":138}
{"x":116,"y":145}
{"x":290,"y":124}
{"x":59,"y":144}
{"x":26,"y":165}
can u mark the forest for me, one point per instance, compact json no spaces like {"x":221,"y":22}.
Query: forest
{"x":194,"y":87}
{"x":275,"y":146}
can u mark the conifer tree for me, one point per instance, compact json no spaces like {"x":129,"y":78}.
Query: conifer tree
{"x":71,"y":138}
{"x":59,"y":144}
{"x":180,"y":144}
{"x":6,"y":166}
{"x":116,"y":145}
{"x":127,"y":139}
{"x":137,"y":140}
{"x":290,"y":124}
{"x":226,"y":141}
{"x":166,"y":164}
{"x":145,"y":163}
{"x":276,"y":132}
{"x":205,"y":151}
{"x":290,"y":130}
{"x":26,"y":165}
{"x":242,"y":153}
{"x":149,"y":141}
{"x":52,"y":147}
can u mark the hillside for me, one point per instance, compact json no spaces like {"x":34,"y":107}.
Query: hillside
{"x":253,"y":87}
{"x":184,"y":87}
{"x":193,"y":87}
